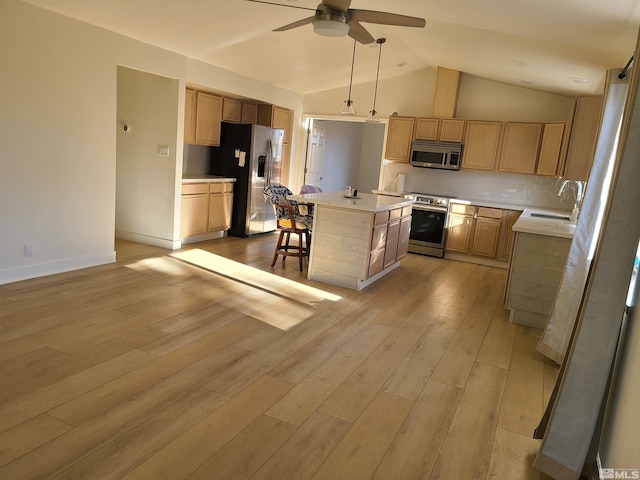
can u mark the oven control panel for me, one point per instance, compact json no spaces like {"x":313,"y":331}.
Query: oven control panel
{"x":426,"y":199}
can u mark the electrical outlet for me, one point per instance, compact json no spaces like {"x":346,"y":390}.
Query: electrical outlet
{"x":28,"y":250}
{"x":163,"y":150}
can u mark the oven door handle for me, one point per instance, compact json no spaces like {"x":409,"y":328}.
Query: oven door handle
{"x":416,"y":206}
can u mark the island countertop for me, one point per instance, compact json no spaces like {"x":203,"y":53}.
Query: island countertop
{"x":539,"y":225}
{"x":366,"y":201}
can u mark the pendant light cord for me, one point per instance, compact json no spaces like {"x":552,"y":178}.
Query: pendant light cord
{"x":353,"y":60}
{"x":380,"y":41}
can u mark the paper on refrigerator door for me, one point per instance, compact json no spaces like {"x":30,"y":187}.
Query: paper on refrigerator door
{"x":242,"y":158}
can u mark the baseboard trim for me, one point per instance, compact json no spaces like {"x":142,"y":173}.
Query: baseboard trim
{"x":17,"y":274}
{"x":148,"y":240}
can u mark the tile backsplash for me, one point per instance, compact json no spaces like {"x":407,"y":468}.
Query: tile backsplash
{"x":509,"y":188}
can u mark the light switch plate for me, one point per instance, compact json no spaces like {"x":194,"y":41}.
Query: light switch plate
{"x":163,"y":150}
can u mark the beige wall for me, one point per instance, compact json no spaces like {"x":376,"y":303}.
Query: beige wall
{"x":412,"y":95}
{"x":148,"y":105}
{"x":58,"y":125}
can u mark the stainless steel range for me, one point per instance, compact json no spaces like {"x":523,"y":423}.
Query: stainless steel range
{"x":428,"y":223}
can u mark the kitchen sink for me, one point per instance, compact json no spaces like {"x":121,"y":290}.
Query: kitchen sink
{"x":552,"y":216}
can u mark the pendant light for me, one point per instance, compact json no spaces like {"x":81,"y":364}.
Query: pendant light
{"x":348,"y":108}
{"x":373,"y":115}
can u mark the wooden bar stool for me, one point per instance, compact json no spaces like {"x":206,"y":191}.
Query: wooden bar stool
{"x":289,"y":220}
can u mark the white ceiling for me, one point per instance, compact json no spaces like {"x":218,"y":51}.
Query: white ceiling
{"x":560,"y":40}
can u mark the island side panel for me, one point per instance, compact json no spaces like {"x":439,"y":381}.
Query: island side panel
{"x":341,"y":240}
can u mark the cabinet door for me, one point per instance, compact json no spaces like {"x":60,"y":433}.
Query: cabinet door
{"x":220,"y":206}
{"x":520,"y":147}
{"x":208,"y":119}
{"x":485,"y":237}
{"x":391,"y":245}
{"x":190,"y":116}
{"x":403,"y":240}
{"x":426,"y":129}
{"x":445,"y":98}
{"x":584,"y":133}
{"x":399,"y":136}
{"x":230,"y":110}
{"x":549,"y":159}
{"x":481,"y":145}
{"x":193,"y":216}
{"x":282,"y":119}
{"x":249,"y":113}
{"x":507,"y":235}
{"x":451,"y":130}
{"x":459,"y":233}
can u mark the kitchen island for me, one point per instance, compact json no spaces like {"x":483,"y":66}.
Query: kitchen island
{"x":356,"y":241}
{"x":543,"y":239}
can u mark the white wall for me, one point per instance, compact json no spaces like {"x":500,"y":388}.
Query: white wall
{"x":58,"y":134}
{"x":145,"y":196}
{"x":342,"y":150}
{"x":371,"y":156}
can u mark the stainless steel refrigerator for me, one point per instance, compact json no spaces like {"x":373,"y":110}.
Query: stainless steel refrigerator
{"x":253,"y":155}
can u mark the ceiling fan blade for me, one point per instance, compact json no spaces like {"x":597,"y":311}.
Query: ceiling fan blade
{"x":359,"y":33}
{"x":340,"y":5}
{"x":299,"y":23}
{"x":384,"y":18}
{"x":281,"y":5}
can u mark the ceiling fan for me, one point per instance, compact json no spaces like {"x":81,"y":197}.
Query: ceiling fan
{"x":334,"y":18}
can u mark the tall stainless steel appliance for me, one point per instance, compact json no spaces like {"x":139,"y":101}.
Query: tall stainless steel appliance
{"x":253,"y":155}
{"x":428,"y":223}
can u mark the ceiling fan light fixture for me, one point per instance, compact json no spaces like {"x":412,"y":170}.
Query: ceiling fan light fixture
{"x":330,"y":25}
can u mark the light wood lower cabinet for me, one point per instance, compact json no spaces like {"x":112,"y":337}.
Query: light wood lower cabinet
{"x":389,"y":239}
{"x":459,"y":228}
{"x":205,"y":208}
{"x":481,"y":231}
{"x":486,"y":232}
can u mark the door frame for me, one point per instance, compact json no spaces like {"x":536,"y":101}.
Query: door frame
{"x":305,"y":132}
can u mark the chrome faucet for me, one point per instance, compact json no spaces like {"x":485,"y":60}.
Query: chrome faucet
{"x":579,"y":187}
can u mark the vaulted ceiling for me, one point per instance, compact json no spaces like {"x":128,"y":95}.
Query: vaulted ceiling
{"x":562,"y":46}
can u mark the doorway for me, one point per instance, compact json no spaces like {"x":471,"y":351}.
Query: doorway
{"x":341,"y":151}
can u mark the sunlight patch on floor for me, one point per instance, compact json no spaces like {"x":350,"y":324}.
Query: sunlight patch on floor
{"x":285,"y":304}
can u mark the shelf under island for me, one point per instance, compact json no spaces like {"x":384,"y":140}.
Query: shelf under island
{"x":355,"y":241}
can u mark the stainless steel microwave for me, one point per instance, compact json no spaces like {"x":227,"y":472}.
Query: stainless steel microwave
{"x":447,"y":156}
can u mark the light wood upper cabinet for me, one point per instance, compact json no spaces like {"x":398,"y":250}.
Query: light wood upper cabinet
{"x":399,"y":137}
{"x":520,"y":147}
{"x":426,"y":129}
{"x":249,"y":113}
{"x":551,"y":149}
{"x":278,"y":117}
{"x":584,"y":134}
{"x":189,"y":116}
{"x":451,"y":130}
{"x":208,"y":119}
{"x":445,"y":98}
{"x":230,"y":110}
{"x":481,"y":145}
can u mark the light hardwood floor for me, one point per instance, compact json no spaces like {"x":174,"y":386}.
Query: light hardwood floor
{"x":206,"y":363}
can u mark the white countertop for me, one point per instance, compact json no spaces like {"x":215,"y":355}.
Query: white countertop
{"x":545,"y":226}
{"x":366,"y":201}
{"x":488,"y":203}
{"x":205,"y":178}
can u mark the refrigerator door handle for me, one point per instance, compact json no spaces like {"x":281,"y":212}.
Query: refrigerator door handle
{"x":269,"y":162}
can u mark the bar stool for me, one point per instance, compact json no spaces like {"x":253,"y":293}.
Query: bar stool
{"x":289,"y":220}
